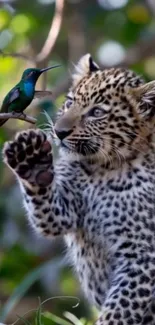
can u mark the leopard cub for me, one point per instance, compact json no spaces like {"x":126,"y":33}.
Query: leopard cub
{"x":100,"y":193}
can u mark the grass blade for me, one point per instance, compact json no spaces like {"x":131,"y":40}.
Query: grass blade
{"x":38,"y":320}
{"x":25,"y":321}
{"x":24,"y":286}
{"x":56,"y":319}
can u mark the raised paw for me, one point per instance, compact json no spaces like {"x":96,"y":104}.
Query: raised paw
{"x":30,"y":157}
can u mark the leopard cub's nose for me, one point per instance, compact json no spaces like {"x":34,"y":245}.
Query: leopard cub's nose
{"x":62,"y":133}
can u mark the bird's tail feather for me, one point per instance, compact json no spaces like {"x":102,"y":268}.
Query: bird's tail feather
{"x":3,"y":121}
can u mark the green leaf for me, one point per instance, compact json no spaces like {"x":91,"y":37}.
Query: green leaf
{"x":56,"y":319}
{"x":20,"y":291}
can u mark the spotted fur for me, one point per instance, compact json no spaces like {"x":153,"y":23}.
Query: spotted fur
{"x":100,"y":194}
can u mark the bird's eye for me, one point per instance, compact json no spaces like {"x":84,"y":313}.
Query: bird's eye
{"x":96,"y":112}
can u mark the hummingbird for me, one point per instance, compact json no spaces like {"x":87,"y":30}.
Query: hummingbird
{"x":20,"y":96}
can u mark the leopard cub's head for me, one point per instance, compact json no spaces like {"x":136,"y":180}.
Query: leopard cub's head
{"x":108,"y":114}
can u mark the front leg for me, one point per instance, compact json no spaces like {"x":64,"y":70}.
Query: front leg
{"x":130,"y":300}
{"x":49,"y":209}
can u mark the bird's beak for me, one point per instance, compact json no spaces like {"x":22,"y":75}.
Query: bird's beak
{"x":54,"y":66}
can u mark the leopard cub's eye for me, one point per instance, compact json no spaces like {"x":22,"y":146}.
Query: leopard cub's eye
{"x":96,"y":112}
{"x":68,"y":103}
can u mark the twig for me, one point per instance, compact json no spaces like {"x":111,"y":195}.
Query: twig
{"x":141,"y":50}
{"x":50,"y":40}
{"x":135,"y":54}
{"x":18,"y":55}
{"x":53,"y":32}
{"x":18,"y":116}
{"x":75,"y":21}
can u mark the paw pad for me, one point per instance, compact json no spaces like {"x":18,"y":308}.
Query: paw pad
{"x":30,"y":156}
{"x":44,"y":178}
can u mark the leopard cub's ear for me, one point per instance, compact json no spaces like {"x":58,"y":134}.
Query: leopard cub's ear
{"x":85,"y":66}
{"x":144,"y":96}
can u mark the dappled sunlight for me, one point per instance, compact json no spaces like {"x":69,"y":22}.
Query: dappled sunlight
{"x":112,"y":4}
{"x":111,"y":53}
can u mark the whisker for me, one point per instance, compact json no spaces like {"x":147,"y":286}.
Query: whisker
{"x":108,"y":157}
{"x":126,"y":144}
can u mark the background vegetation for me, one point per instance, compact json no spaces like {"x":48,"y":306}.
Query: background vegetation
{"x":42,"y":33}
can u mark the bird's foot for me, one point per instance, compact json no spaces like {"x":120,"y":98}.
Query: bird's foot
{"x":23,"y":115}
{"x":19,"y":114}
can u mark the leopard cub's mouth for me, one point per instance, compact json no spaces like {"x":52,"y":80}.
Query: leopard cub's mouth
{"x":81,"y":146}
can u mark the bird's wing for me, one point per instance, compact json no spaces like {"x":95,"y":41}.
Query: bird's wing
{"x":41,"y":93}
{"x":10,"y":98}
{"x":14,"y":94}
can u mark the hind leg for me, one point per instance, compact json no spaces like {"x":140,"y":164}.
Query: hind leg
{"x":129,"y":297}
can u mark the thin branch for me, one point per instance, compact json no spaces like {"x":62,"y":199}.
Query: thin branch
{"x":18,"y":55}
{"x":137,"y":53}
{"x":53,"y":32}
{"x":50,"y":40}
{"x":18,"y":116}
{"x":141,"y":50}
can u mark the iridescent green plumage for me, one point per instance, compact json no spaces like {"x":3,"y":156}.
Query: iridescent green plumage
{"x":23,"y":93}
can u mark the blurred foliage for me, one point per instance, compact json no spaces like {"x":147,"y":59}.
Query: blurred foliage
{"x":32,"y":266}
